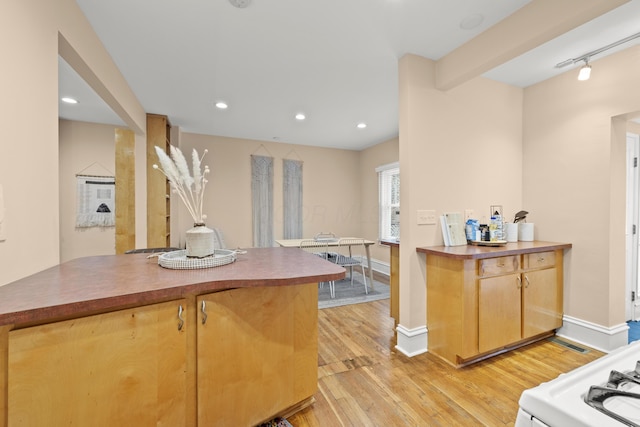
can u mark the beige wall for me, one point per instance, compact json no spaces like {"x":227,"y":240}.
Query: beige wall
{"x":30,"y":33}
{"x":460,"y":149}
{"x":341,"y":198}
{"x":331,"y":186}
{"x":85,"y":148}
{"x":29,"y":160}
{"x":574,"y":182}
{"x":370,"y":159}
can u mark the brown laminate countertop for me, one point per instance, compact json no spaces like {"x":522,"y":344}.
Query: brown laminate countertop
{"x":390,"y":243}
{"x":479,"y":252}
{"x":98,"y":284}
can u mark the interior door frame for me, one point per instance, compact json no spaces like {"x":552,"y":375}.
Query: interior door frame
{"x":632,"y":309}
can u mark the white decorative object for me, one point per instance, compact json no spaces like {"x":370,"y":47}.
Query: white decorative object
{"x":200,"y":239}
{"x":96,"y":201}
{"x":525,"y":231}
{"x":512,"y":231}
{"x":178,"y":260}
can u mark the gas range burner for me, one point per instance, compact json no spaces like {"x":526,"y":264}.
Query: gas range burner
{"x":622,"y":394}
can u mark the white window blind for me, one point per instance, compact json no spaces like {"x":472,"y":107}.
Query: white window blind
{"x":389,"y":201}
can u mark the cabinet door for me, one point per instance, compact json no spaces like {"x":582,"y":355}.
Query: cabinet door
{"x":499,"y":312}
{"x":542,"y":302}
{"x":125,"y":368}
{"x":257,"y":353}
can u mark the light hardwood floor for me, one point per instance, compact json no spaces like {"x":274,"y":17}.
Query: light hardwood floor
{"x":364,"y":381}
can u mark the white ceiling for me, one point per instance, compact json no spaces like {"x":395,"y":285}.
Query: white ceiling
{"x":334,"y":60}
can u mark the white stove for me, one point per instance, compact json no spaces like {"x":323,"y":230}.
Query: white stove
{"x":603,"y":393}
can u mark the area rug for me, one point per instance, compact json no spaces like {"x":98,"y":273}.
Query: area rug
{"x":347,"y":294}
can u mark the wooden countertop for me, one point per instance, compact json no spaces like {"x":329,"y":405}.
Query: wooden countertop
{"x":390,"y":243}
{"x":479,"y":252}
{"x":91,"y":285}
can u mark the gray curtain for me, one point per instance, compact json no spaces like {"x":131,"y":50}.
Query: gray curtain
{"x":262,"y":200}
{"x":292,"y":198}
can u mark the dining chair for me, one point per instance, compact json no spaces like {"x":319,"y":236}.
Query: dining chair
{"x":356,"y":249}
{"x":319,"y":248}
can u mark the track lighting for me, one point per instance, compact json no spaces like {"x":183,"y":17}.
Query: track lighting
{"x":585,"y":71}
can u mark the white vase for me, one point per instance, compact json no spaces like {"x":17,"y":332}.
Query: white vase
{"x":200,"y":241}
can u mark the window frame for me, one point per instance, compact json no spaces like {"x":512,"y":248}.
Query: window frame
{"x":386,"y":204}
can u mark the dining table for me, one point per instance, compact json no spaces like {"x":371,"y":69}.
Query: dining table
{"x":333,"y":242}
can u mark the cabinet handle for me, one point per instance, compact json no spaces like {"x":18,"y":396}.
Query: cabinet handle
{"x":204,"y":313}
{"x":541,"y":259}
{"x":519,"y":282}
{"x":181,"y":320}
{"x":526,"y":279}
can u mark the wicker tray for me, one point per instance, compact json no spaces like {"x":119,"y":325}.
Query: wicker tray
{"x":177,"y":260}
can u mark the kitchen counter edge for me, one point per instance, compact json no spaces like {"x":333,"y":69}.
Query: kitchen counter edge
{"x":481,"y":252}
{"x":98,"y":284}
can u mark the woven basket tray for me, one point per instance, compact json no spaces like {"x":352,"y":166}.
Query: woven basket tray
{"x":178,"y":260}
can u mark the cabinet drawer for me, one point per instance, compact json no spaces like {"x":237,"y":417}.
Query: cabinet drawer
{"x":539,"y":260}
{"x":497,"y":266}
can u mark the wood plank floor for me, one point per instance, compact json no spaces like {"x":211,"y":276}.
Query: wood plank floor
{"x":364,"y":381}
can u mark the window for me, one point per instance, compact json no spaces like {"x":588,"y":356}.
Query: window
{"x":389,"y":201}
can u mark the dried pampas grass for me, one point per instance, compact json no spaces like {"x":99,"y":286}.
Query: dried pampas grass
{"x":189,"y":187}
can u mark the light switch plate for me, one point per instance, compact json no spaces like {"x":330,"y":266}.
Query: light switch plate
{"x":426,"y":217}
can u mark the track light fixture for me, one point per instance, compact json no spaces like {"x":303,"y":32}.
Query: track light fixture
{"x":585,"y":71}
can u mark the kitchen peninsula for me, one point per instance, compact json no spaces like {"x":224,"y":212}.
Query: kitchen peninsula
{"x":119,"y":340}
{"x":483,"y":300}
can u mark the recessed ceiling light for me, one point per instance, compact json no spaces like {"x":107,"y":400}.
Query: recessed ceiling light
{"x":69,"y":100}
{"x":221,"y":105}
{"x":471,"y":21}
{"x":362,"y":125}
{"x":240,"y":4}
{"x":300,"y":116}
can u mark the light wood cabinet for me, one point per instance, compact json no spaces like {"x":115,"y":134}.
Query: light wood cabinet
{"x":121,"y":368}
{"x":257,"y":353}
{"x":499,"y":312}
{"x":158,"y":190}
{"x":248,"y":355}
{"x":485,"y":301}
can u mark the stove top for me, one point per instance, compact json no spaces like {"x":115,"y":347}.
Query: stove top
{"x":619,"y":398}
{"x":605,"y":392}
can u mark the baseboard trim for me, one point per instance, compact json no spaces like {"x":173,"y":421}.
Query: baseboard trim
{"x":411,"y":342}
{"x":598,"y":337}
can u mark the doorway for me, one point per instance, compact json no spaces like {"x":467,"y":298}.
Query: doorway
{"x":632,"y":228}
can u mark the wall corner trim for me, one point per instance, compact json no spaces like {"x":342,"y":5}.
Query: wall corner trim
{"x":599,"y":337}
{"x":411,"y":342}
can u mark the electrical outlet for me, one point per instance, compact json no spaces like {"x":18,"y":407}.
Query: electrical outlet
{"x":426,"y":217}
{"x":468,"y":214}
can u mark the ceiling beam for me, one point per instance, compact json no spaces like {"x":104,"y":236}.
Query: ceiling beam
{"x":529,"y":27}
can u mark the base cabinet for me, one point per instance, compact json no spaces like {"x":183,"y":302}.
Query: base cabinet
{"x":120,"y":368}
{"x":257,"y":353}
{"x":231,"y":358}
{"x":480,"y":307}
